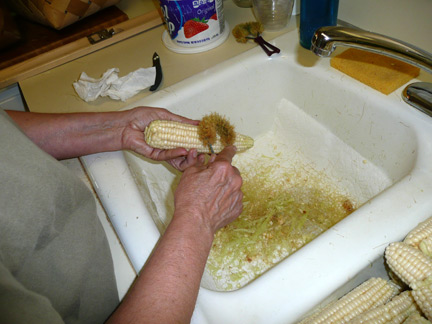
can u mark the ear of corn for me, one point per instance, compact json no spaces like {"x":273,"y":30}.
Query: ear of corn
{"x":419,"y":233}
{"x":370,"y":294}
{"x":422,"y":292}
{"x":408,"y":263}
{"x":426,"y":246}
{"x":415,"y":269}
{"x":164,"y":134}
{"x":416,"y":318}
{"x":411,"y":262}
{"x":395,"y":311}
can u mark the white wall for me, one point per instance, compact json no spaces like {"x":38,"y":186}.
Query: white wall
{"x":406,"y":20}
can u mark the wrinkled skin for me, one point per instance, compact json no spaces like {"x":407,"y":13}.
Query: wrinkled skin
{"x":133,"y":138}
{"x":207,"y":198}
{"x":77,"y":134}
{"x":211,"y":190}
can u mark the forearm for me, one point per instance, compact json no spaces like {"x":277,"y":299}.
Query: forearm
{"x":207,"y":198}
{"x":72,"y":135}
{"x":167,"y":288}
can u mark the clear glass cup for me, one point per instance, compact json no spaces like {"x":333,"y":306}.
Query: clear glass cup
{"x":274,"y":15}
{"x":243,"y":3}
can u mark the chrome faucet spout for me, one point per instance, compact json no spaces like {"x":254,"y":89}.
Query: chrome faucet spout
{"x":326,"y":39}
{"x":418,"y":95}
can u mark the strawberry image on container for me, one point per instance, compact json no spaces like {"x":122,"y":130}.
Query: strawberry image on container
{"x":194,"y":26}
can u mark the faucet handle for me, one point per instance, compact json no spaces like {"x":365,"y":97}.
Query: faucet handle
{"x":419,"y":95}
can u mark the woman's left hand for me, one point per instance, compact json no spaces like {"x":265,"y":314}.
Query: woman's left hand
{"x":133,"y":137}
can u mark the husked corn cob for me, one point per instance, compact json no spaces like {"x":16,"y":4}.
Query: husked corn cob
{"x":164,"y":134}
{"x":416,"y":318}
{"x":370,"y":294}
{"x":408,"y":263}
{"x":422,"y":292}
{"x":395,"y":311}
{"x":419,"y":233}
{"x":426,"y":246}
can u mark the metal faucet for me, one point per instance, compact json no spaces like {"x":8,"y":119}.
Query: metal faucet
{"x":418,"y":94}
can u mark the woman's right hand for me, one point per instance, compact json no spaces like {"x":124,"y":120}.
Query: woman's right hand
{"x":210,"y":193}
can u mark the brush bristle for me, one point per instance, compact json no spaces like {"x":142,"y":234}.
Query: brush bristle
{"x":207,"y":131}
{"x":240,"y":34}
{"x":255,"y":28}
{"x":242,"y":31}
{"x":224,"y":129}
{"x":213,"y":124}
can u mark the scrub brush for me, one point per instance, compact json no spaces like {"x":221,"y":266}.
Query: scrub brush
{"x":252,"y":30}
{"x":213,"y":124}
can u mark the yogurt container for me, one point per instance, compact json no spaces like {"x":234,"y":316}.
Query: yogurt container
{"x":193,"y":23}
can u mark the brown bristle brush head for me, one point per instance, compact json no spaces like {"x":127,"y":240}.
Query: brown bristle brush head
{"x":241,"y":32}
{"x":214,"y":124}
{"x":225,"y":130}
{"x":207,"y":131}
{"x":255,"y":28}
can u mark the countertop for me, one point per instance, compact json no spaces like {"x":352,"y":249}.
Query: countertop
{"x":52,"y":91}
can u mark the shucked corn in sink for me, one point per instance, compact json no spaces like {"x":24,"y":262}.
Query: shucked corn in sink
{"x":375,"y":301}
{"x":284,"y":206}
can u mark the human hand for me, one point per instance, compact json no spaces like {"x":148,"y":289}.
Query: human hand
{"x":133,"y":137}
{"x":210,"y":193}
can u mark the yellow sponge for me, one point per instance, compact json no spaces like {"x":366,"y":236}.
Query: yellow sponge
{"x":380,"y":72}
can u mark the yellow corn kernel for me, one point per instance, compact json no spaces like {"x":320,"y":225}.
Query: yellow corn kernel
{"x":419,"y":233}
{"x":165,"y":134}
{"x":395,"y":311}
{"x":426,"y":246}
{"x":422,"y":292}
{"x":416,"y":318}
{"x":407,"y":262}
{"x":368,"y":295}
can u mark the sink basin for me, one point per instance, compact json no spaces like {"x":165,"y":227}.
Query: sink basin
{"x":375,"y":148}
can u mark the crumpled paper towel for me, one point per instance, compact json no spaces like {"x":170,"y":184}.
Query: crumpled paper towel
{"x":111,"y":85}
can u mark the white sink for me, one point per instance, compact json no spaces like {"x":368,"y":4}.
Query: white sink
{"x":375,"y":146}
